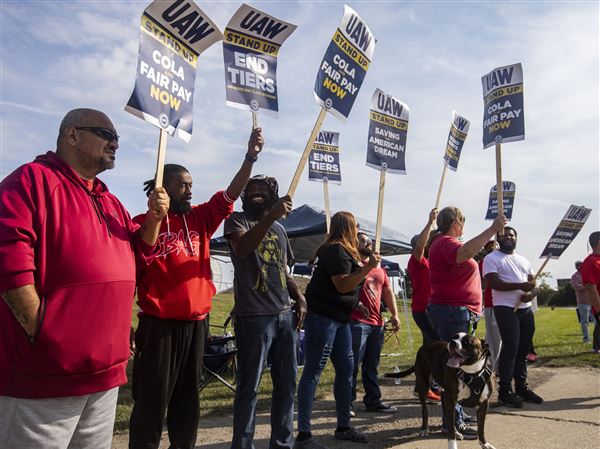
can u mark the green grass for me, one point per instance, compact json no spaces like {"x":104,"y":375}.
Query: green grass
{"x":557,"y":341}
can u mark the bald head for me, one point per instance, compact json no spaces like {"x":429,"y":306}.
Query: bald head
{"x":87,"y":141}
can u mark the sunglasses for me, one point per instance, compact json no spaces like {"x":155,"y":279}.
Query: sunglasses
{"x":104,"y":133}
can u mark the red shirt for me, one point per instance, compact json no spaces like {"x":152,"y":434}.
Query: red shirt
{"x":370,"y":296}
{"x":451,"y":283}
{"x":487,"y":293}
{"x":590,"y":271}
{"x":421,"y":283}
{"x":177,"y":285}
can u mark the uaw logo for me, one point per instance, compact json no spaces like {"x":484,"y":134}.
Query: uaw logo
{"x":328,"y":103}
{"x":163,"y":120}
{"x":498,"y":139}
{"x":254,"y":105}
{"x":384,"y":166}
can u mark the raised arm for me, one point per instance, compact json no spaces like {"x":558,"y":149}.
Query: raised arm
{"x":255,"y":145}
{"x":472,"y":247}
{"x":158,"y":207}
{"x":419,"y":249}
{"x":345,"y":283}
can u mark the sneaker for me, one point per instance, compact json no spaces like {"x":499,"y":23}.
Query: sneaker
{"x":431,"y":396}
{"x":383,"y":408}
{"x":352,"y":413}
{"x":469,"y":419}
{"x":529,"y":396}
{"x":509,"y":399}
{"x":311,"y":443}
{"x":351,"y":434}
{"x":531,"y":357}
{"x":465,"y":430}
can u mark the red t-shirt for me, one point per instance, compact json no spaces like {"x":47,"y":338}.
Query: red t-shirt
{"x":451,"y":283}
{"x":370,"y":296}
{"x":487,"y":293}
{"x":421,"y":283}
{"x":590,"y":271}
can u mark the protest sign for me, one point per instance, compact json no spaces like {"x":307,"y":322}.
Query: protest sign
{"x":387,"y":133}
{"x":508,"y":198}
{"x":172,"y":36}
{"x":344,"y":65}
{"x":503,"y":118}
{"x":456,"y":139}
{"x":252,"y":40}
{"x":566,"y":231}
{"x":324,"y":159}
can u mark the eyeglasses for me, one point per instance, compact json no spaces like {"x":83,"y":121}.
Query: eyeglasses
{"x":104,"y":133}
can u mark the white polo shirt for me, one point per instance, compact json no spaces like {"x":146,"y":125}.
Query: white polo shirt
{"x":510,"y":268}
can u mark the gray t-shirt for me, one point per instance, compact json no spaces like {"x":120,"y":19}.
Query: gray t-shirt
{"x":259,"y":280}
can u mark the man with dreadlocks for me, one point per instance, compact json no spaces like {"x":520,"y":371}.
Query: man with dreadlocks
{"x":265,"y":322}
{"x":175,"y":295}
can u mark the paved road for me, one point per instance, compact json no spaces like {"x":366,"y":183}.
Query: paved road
{"x":569,"y":418}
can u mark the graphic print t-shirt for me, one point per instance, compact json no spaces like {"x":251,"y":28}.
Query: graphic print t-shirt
{"x":259,"y":282}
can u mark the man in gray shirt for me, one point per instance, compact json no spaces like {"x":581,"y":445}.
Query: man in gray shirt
{"x":264,"y":318}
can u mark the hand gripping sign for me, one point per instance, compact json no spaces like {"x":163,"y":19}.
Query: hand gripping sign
{"x":508,"y":197}
{"x":503,"y":117}
{"x":172,"y":36}
{"x":340,"y":76}
{"x":456,"y":139}
{"x":324,"y":165}
{"x":386,"y":146}
{"x":252,"y":40}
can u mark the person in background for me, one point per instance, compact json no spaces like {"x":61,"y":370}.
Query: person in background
{"x":590,"y":274}
{"x":367,"y":333}
{"x":492,"y":333}
{"x":583,"y":301}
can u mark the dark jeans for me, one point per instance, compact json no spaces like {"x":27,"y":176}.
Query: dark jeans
{"x":516,"y":329}
{"x":256,"y":337}
{"x":449,"y":321}
{"x":427,"y":331}
{"x":166,"y":372}
{"x":324,"y":338}
{"x":367,"y":341}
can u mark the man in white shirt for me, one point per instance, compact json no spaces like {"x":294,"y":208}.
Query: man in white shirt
{"x":511,"y":278}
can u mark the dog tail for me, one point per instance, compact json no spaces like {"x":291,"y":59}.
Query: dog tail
{"x":401,"y":373}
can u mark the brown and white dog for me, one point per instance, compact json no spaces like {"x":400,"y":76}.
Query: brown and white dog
{"x":462,"y":368}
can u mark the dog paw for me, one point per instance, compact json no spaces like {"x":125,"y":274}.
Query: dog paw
{"x":486,"y":445}
{"x":459,"y":436}
{"x":424,"y":433}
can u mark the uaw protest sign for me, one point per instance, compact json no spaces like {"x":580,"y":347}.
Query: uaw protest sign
{"x":456,"y":139}
{"x":388,"y":126}
{"x":567,"y":230}
{"x":172,"y":36}
{"x":503,"y":118}
{"x":344,"y":65}
{"x":324,"y":159}
{"x":250,"y":48}
{"x":508,"y":200}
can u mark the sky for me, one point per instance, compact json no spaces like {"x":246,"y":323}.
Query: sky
{"x":431,"y":55}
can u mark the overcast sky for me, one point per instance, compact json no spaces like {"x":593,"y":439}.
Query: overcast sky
{"x":431,"y":55}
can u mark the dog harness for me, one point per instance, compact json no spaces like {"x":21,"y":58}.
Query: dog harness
{"x":476,"y":383}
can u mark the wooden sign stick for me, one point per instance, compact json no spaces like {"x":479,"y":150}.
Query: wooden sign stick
{"x":160,"y":158}
{"x":499,"y":191}
{"x":326,"y":198}
{"x":537,"y":275}
{"x":255,"y":125}
{"x":304,"y":158}
{"x":379,"y":211}
{"x":439,"y":194}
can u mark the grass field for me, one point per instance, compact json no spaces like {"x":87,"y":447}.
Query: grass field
{"x":557,"y":341}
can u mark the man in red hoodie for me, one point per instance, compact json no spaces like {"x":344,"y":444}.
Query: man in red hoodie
{"x":68,"y":252}
{"x":175,"y":295}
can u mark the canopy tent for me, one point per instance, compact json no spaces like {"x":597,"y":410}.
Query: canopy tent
{"x":392,"y":268}
{"x":306,"y":229}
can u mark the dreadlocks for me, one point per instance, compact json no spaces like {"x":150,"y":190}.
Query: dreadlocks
{"x":168,"y":172}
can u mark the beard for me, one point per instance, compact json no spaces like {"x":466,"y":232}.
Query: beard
{"x":506,"y":246}
{"x":255,"y":210}
{"x":180,"y":207}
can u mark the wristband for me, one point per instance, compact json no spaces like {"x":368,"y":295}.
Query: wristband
{"x":251,"y":159}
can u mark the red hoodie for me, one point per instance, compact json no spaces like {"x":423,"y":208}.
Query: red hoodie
{"x":177,"y":285}
{"x":77,"y":247}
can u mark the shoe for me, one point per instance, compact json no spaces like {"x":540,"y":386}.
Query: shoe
{"x":352,"y":413}
{"x":383,"y":408}
{"x":311,"y":443}
{"x":509,"y":399}
{"x":469,"y":419}
{"x":433,"y":397}
{"x":465,"y":430}
{"x":351,"y":434}
{"x":529,"y":396}
{"x":531,"y":357}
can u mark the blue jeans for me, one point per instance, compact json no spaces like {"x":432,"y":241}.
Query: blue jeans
{"x":427,"y":331}
{"x":325,"y":338}
{"x":516,"y":330}
{"x":584,"y":318}
{"x":367,"y":341}
{"x":256,"y":337}
{"x":449,"y":321}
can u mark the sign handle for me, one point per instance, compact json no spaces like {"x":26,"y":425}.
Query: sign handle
{"x":379,"y":211}
{"x":499,"y":190}
{"x":254,"y":126}
{"x":439,"y":194}
{"x":537,"y":275}
{"x":304,"y":158}
{"x":327,"y":209}
{"x":160,"y":159}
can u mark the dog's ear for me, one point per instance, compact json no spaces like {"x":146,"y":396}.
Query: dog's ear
{"x":485,"y":347}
